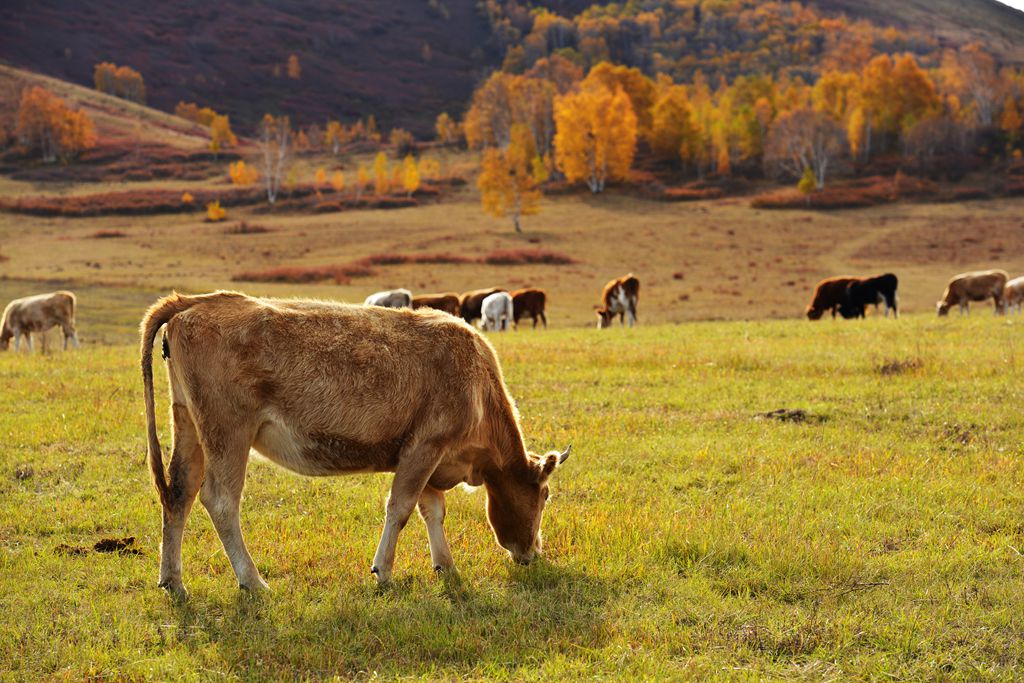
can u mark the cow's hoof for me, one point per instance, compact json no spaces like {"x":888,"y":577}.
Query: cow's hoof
{"x":382,"y":578}
{"x":255,"y":587}
{"x":176,"y":589}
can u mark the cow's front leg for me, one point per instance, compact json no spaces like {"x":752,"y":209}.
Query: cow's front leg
{"x":432,"y":510}
{"x":414,"y":469}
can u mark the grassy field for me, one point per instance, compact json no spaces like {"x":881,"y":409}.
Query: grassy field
{"x":879,"y":538}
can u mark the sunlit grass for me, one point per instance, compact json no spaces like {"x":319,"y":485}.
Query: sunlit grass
{"x":685,"y":538}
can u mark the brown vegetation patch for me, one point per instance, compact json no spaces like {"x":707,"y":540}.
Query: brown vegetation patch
{"x":244,"y":228}
{"x":690,"y":194}
{"x":341,"y":274}
{"x":795,"y":415}
{"x":108,"y":234}
{"x":401,"y":259}
{"x":522,"y":257}
{"x":899,"y":367}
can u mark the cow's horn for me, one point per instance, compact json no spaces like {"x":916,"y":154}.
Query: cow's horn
{"x":564,"y":455}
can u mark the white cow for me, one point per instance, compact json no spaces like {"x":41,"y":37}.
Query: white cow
{"x":38,"y":314}
{"x":496,"y":311}
{"x":391,"y":298}
{"x":1013,"y":294}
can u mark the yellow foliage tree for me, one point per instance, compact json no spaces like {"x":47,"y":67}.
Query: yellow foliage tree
{"x":320,"y":177}
{"x":242,"y":174}
{"x":430,"y":168}
{"x":335,"y":136}
{"x":410,"y":175}
{"x":338,"y":181}
{"x":362,"y":180}
{"x":447,"y":130}
{"x":220,"y":134}
{"x":1011,"y":121}
{"x":673,"y":132}
{"x":381,"y":180}
{"x":187,"y":198}
{"x":509,"y":179}
{"x":595,"y":137}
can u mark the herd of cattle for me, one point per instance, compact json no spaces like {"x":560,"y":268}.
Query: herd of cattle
{"x":850,"y":296}
{"x":498,"y":309}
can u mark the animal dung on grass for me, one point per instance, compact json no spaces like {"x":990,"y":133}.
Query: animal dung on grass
{"x":794,"y":415}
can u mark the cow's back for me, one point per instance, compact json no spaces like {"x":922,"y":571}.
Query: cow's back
{"x":364,"y":374}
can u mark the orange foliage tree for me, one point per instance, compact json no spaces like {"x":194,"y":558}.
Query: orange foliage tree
{"x":46,"y":124}
{"x":121,"y":81}
{"x":220,"y":134}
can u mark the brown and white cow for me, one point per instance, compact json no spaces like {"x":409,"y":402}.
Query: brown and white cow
{"x":619,"y":298}
{"x":38,"y":314}
{"x":369,"y":389}
{"x":470,"y":302}
{"x":975,"y":286}
{"x":529,"y":303}
{"x":447,"y":302}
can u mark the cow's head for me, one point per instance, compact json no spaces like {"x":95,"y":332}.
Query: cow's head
{"x":815,"y":313}
{"x":515,"y":504}
{"x":942,"y":308}
{"x":604,"y":317}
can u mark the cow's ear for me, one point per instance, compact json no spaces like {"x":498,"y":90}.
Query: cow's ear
{"x":548,"y":465}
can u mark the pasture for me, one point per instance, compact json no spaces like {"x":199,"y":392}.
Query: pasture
{"x":875,"y":535}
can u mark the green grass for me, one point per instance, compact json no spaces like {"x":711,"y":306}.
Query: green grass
{"x":684,"y":538}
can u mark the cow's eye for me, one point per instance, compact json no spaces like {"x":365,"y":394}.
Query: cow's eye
{"x":547,"y":493}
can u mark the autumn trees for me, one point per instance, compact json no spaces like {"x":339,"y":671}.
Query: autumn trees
{"x":509,"y":178}
{"x":274,"y":144}
{"x":46,"y":124}
{"x":596,"y":137}
{"x":120,"y":81}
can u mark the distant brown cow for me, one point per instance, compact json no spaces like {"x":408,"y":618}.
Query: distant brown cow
{"x":619,"y":298}
{"x":975,"y":286}
{"x":470,"y":302}
{"x":529,"y":303}
{"x":38,"y":314}
{"x":364,"y":389}
{"x":829,"y":295}
{"x":447,"y":302}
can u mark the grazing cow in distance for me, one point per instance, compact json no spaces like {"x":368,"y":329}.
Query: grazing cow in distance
{"x":447,"y":302}
{"x":496,"y":312}
{"x":975,"y":286}
{"x":391,"y":298}
{"x":619,"y":298}
{"x":863,"y":292}
{"x":1013,"y":294}
{"x":529,"y":303}
{"x":829,"y":295}
{"x":369,"y":389}
{"x":38,"y":314}
{"x":470,"y":302}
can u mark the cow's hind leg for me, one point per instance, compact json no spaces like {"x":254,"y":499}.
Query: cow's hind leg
{"x":185,"y":477}
{"x":432,"y":510}
{"x":221,"y":495}
{"x":416,"y":462}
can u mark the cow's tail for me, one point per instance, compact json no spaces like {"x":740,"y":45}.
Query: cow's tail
{"x":159,"y":313}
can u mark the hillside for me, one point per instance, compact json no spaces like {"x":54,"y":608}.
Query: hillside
{"x":998,"y":27}
{"x":403,"y":62}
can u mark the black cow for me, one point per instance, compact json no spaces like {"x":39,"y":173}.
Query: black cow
{"x":868,"y":291}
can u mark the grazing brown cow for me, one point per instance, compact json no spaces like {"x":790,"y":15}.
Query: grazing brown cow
{"x":975,"y":286}
{"x":619,"y":298}
{"x":830,"y":294}
{"x":368,"y":389}
{"x":447,"y":302}
{"x":38,"y":314}
{"x":470,"y":302}
{"x":529,"y":303}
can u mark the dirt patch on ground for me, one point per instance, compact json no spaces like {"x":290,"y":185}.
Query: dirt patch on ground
{"x":121,"y":546}
{"x":794,"y":415}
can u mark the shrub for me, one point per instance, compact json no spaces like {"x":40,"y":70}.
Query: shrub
{"x":108,"y":234}
{"x":214,"y":212}
{"x":341,"y":274}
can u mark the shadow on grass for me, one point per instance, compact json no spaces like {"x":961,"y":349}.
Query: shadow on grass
{"x":442,"y":626}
